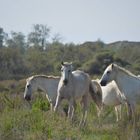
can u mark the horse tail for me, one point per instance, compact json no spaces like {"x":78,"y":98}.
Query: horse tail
{"x":96,"y":93}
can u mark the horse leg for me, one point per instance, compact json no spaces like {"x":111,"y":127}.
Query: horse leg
{"x":85,"y":108}
{"x":134,"y":124}
{"x":74,"y":108}
{"x":132,"y":105}
{"x":118,"y":112}
{"x":99,"y":111}
{"x":51,"y":106}
{"x":60,"y":109}
{"x":51,"y":103}
{"x":129,"y":111}
{"x":132,"y":114}
{"x":71,"y":109}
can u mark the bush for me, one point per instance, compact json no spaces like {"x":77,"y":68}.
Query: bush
{"x":41,"y":104}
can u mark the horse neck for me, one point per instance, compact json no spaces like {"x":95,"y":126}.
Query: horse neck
{"x":49,"y":85}
{"x":39,"y":83}
{"x":71,"y":77}
{"x":122,"y":79}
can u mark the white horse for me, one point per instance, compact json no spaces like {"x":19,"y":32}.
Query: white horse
{"x":128,"y":83}
{"x":48,"y":84}
{"x":74,"y":85}
{"x":111,"y":96}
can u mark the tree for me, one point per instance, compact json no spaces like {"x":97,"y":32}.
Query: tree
{"x":17,"y":40}
{"x":2,"y":34}
{"x":39,"y":35}
{"x":11,"y":63}
{"x":56,"y":38}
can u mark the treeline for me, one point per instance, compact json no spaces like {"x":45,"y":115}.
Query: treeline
{"x":37,"y":53}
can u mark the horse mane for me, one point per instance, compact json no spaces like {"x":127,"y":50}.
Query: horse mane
{"x":97,"y":85}
{"x":98,"y":91}
{"x":43,"y":76}
{"x":124,"y":70}
{"x":66,"y":63}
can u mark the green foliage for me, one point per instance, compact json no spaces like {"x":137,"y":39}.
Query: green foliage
{"x":12,"y":63}
{"x":41,"y":104}
{"x":91,"y":58}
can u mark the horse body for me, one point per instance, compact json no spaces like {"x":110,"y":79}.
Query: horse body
{"x":130,"y":86}
{"x":128,"y":83}
{"x":48,"y":84}
{"x":111,"y":96}
{"x":74,"y":85}
{"x":79,"y":83}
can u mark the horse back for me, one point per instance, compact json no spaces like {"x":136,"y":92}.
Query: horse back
{"x":80,"y":82}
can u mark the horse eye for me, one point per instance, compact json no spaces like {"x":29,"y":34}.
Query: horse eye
{"x":108,"y":72}
{"x":28,"y":86}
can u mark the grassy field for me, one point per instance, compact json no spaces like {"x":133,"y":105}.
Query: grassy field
{"x":20,"y":120}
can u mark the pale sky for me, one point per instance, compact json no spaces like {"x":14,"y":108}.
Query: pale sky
{"x":75,"y":20}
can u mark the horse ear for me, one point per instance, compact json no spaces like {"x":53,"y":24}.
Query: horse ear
{"x":71,"y":65}
{"x":112,"y":66}
{"x":62,"y":63}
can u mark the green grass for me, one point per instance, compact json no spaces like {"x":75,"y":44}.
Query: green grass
{"x":22,"y":121}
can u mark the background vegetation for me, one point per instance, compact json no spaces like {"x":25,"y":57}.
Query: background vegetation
{"x":38,"y":53}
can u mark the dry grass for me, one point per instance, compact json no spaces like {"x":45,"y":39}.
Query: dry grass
{"x":21,"y":121}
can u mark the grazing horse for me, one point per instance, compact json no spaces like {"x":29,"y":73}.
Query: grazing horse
{"x":74,"y":85}
{"x":48,"y":84}
{"x":128,"y":83}
{"x":111,"y":96}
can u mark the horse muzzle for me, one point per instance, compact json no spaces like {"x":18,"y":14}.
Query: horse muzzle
{"x":28,"y":98}
{"x":65,"y":82}
{"x":103,"y":83}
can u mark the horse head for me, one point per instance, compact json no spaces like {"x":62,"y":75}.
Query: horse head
{"x":66,"y":70}
{"x":29,"y":88}
{"x":108,"y":75}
